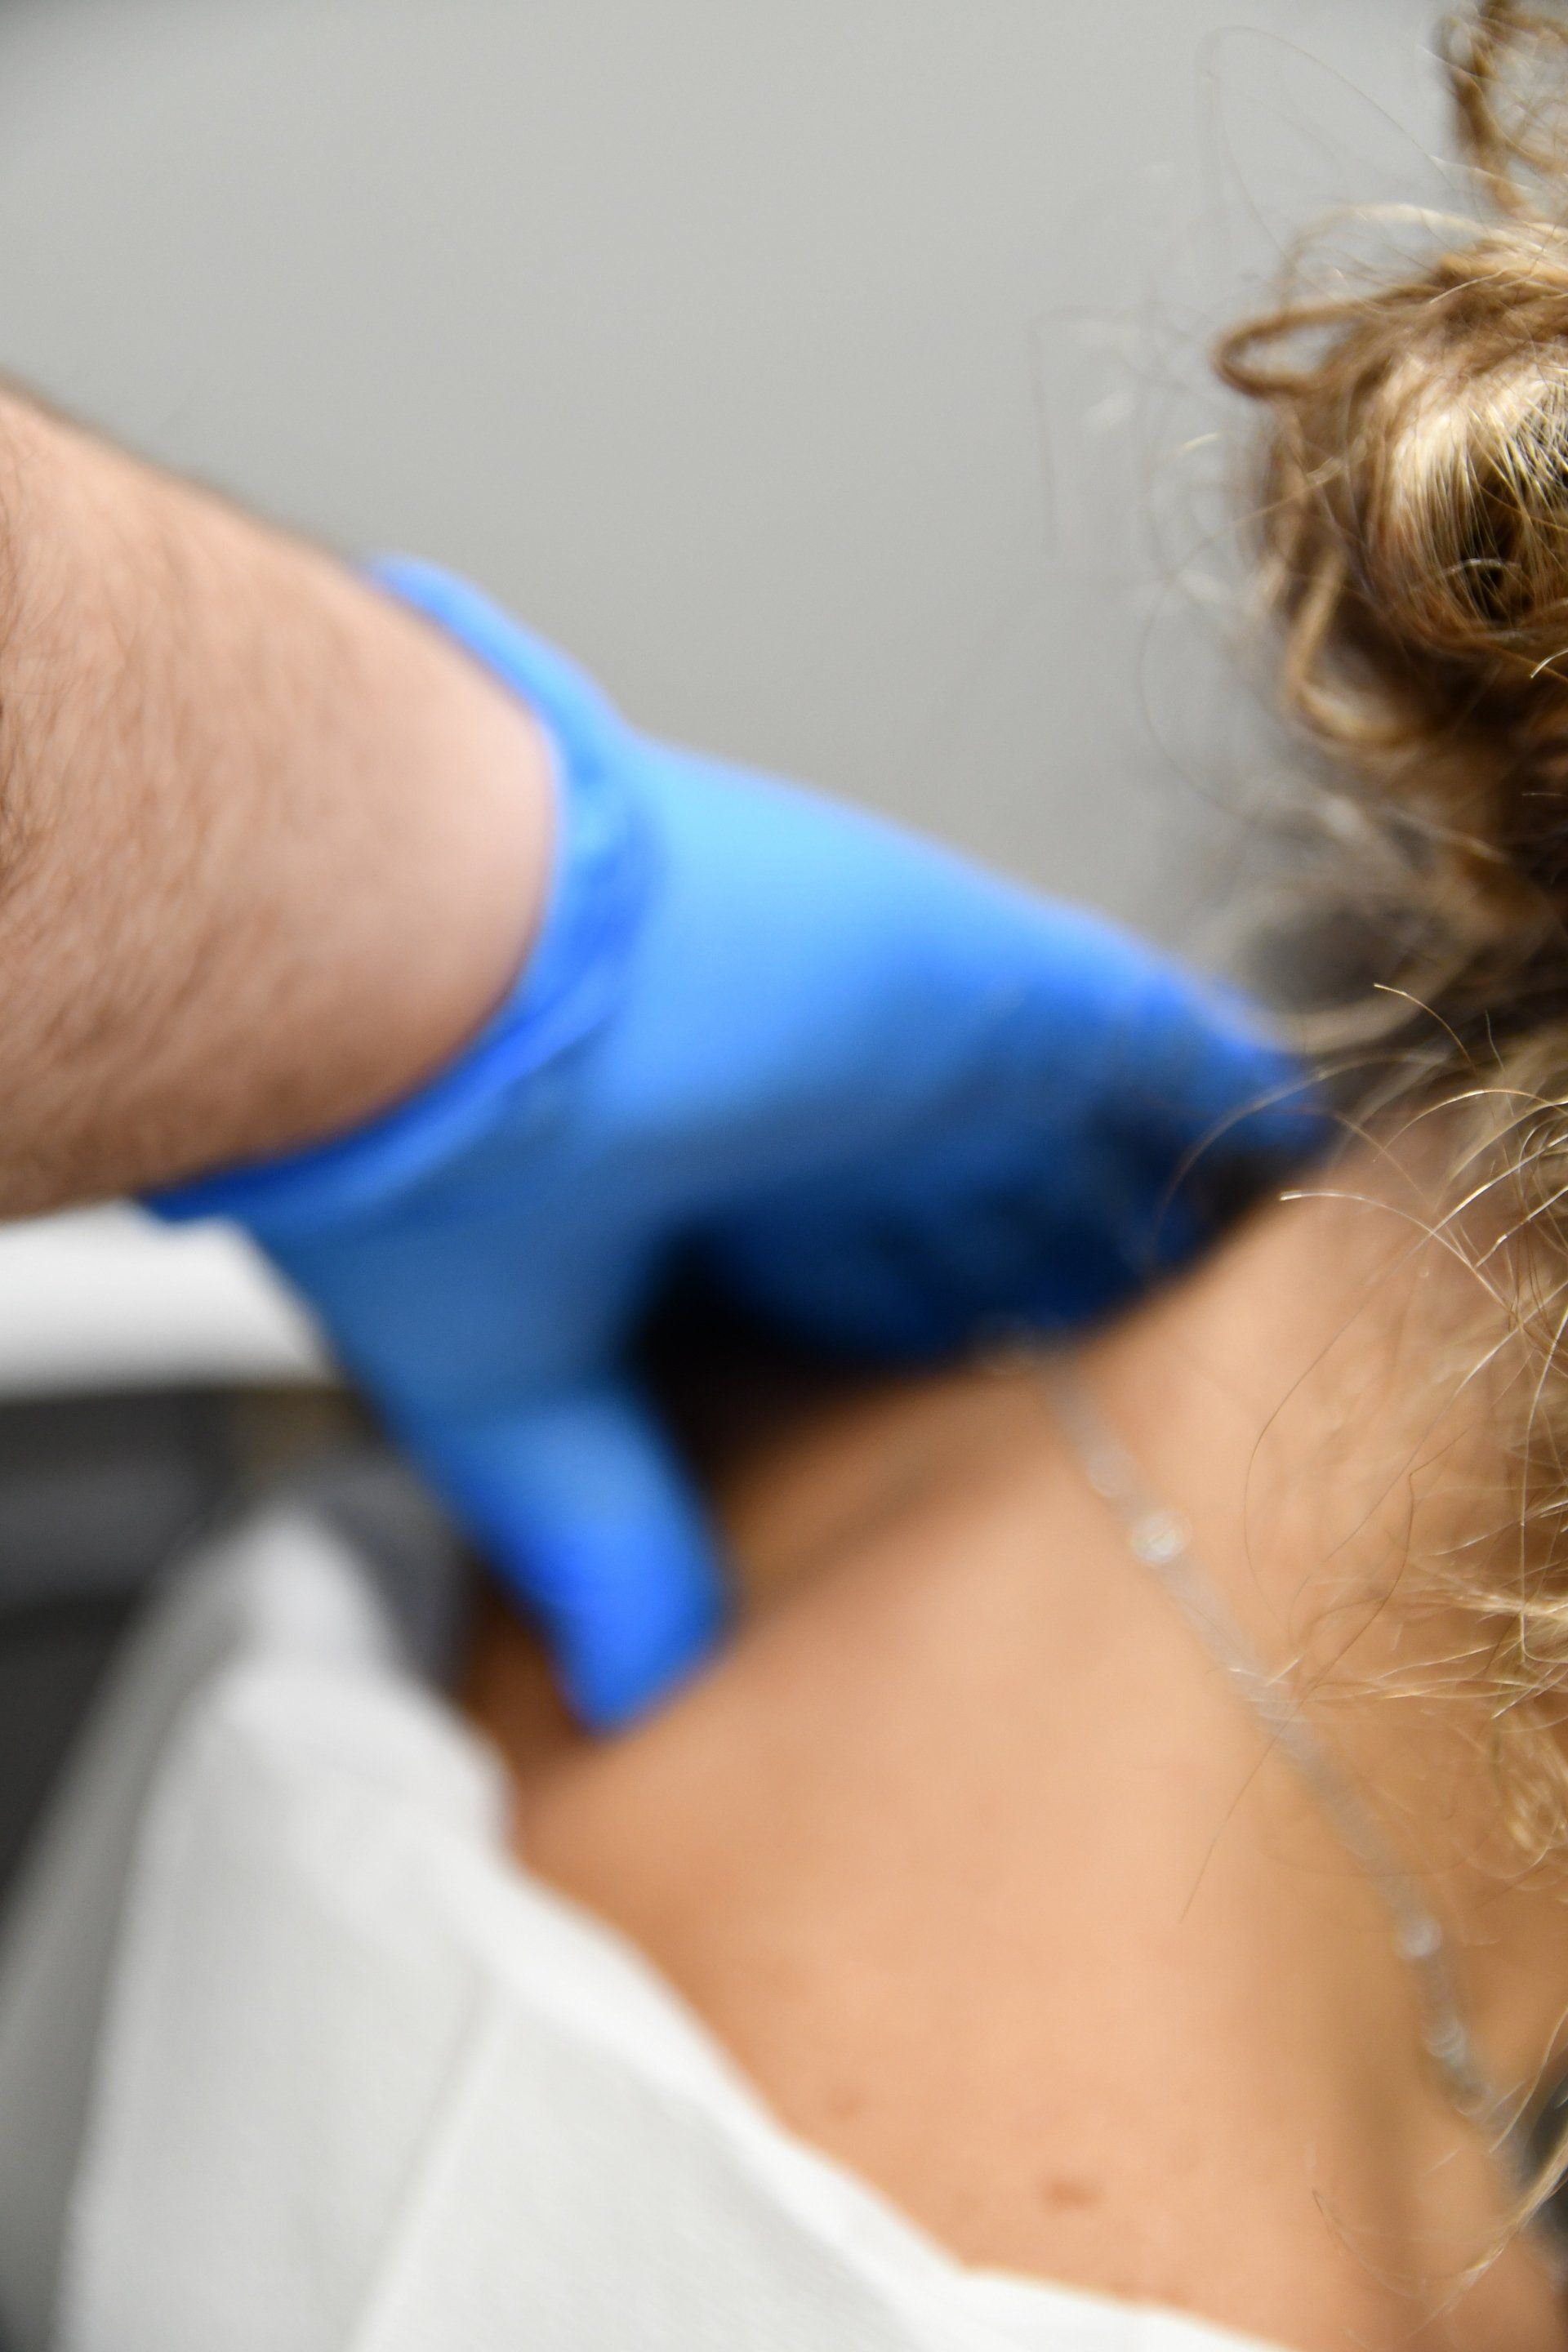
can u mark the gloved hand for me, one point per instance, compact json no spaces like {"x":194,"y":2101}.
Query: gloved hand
{"x":877,"y":1094}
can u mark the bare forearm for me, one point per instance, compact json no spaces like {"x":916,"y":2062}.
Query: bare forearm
{"x":269,"y":849}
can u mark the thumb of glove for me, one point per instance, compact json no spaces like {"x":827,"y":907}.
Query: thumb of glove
{"x":578,"y":1503}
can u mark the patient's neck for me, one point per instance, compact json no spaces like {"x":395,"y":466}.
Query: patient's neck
{"x":973,"y":1858}
{"x":1307,"y":1403}
{"x":1311,"y":1403}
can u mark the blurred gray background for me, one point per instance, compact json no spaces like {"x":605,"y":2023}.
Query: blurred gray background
{"x":826,"y":374}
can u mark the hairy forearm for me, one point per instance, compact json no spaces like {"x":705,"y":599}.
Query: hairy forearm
{"x":269,"y":849}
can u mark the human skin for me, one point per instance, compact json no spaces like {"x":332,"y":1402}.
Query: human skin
{"x":975,"y":1861}
{"x":271,"y":850}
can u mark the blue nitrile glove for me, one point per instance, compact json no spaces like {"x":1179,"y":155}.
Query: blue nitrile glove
{"x":874,"y":1093}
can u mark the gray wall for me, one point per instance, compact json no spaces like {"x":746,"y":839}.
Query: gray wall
{"x":821,"y":372}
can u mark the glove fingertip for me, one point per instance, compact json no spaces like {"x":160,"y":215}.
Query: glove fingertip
{"x":612,"y":1673}
{"x":590,"y":1521}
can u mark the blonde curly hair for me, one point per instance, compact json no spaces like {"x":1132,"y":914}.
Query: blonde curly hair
{"x":1412,"y":521}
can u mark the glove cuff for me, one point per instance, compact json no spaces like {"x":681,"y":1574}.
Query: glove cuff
{"x":572,"y":978}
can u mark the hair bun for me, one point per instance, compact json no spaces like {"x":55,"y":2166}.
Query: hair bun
{"x":1436,"y":438}
{"x":1415,"y":502}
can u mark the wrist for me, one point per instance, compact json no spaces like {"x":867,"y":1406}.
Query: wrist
{"x":600,"y":868}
